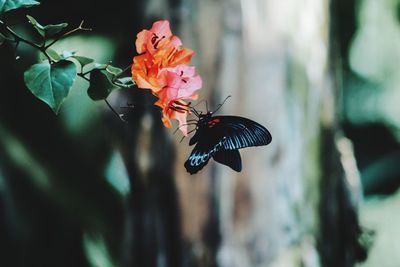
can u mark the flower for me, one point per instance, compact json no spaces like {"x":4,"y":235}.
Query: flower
{"x":158,"y":37}
{"x":146,"y":67}
{"x":162,"y":68}
{"x":145,"y":73}
{"x":173,"y":56}
{"x":180,"y":83}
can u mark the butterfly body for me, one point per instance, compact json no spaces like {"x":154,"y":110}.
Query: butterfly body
{"x":221,"y":137}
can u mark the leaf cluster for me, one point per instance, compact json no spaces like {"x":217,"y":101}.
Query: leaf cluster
{"x":52,"y":78}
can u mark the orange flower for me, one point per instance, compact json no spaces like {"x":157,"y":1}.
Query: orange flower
{"x":146,"y":67}
{"x":145,"y":73}
{"x":173,"y":56}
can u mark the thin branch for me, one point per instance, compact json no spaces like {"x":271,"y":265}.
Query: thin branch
{"x":79,"y":28}
{"x":82,"y":75}
{"x":120,"y":116}
{"x":17,"y":37}
{"x":124,"y":70}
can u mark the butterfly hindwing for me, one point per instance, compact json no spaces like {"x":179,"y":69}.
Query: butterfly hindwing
{"x":229,"y":158}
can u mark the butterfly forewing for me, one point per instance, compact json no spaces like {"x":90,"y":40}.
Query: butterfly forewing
{"x":240,"y":132}
{"x":202,"y":153}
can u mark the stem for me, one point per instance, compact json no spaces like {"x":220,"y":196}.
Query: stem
{"x":114,"y":111}
{"x":115,"y":78}
{"x":127,"y":68}
{"x":79,"y":28}
{"x":82,"y":75}
{"x":18,"y":38}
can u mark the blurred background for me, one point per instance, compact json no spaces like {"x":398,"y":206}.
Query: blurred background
{"x":84,"y":189}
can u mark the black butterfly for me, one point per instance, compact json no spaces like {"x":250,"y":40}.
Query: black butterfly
{"x":221,"y":137}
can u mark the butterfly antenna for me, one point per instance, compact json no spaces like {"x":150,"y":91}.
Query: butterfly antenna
{"x":198,"y":103}
{"x":195,"y":111}
{"x":220,"y":105}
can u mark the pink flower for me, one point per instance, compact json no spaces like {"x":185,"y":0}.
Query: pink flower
{"x":180,"y":83}
{"x":158,"y":37}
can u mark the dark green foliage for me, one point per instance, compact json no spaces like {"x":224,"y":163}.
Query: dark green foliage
{"x":51,"y":83}
{"x":51,"y":80}
{"x":2,"y":39}
{"x":48,"y":30}
{"x":100,"y":85}
{"x":7,"y":5}
{"x":83,"y":61}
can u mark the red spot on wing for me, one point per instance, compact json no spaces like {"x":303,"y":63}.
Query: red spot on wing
{"x":213,"y":122}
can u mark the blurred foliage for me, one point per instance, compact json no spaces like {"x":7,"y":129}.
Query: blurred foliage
{"x":372,"y":94}
{"x":371,"y":119}
{"x":57,"y":206}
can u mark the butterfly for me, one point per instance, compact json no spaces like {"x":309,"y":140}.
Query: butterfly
{"x":221,"y":137}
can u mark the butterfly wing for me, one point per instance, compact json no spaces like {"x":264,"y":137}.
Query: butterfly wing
{"x":196,"y":137}
{"x":229,"y":158}
{"x":241,"y":132}
{"x":221,"y":135}
{"x":206,"y":147}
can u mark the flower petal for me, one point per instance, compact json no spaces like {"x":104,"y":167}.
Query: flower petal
{"x":161,"y":28}
{"x":181,"y":117}
{"x":141,"y":41}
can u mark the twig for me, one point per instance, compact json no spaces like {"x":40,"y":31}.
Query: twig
{"x":120,"y":116}
{"x":82,"y":75}
{"x":79,"y":28}
{"x":18,"y":38}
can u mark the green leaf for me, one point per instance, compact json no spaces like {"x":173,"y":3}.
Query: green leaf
{"x":100,"y":85}
{"x":125,"y":82}
{"x":53,"y":54}
{"x":7,"y":5}
{"x":53,"y":29}
{"x":100,"y":66}
{"x":39,"y":27}
{"x":51,"y":83}
{"x":66,"y":54}
{"x":83,"y":60}
{"x":113,"y":70}
{"x":48,"y":30}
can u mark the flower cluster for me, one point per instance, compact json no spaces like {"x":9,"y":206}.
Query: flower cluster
{"x":162,"y":68}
